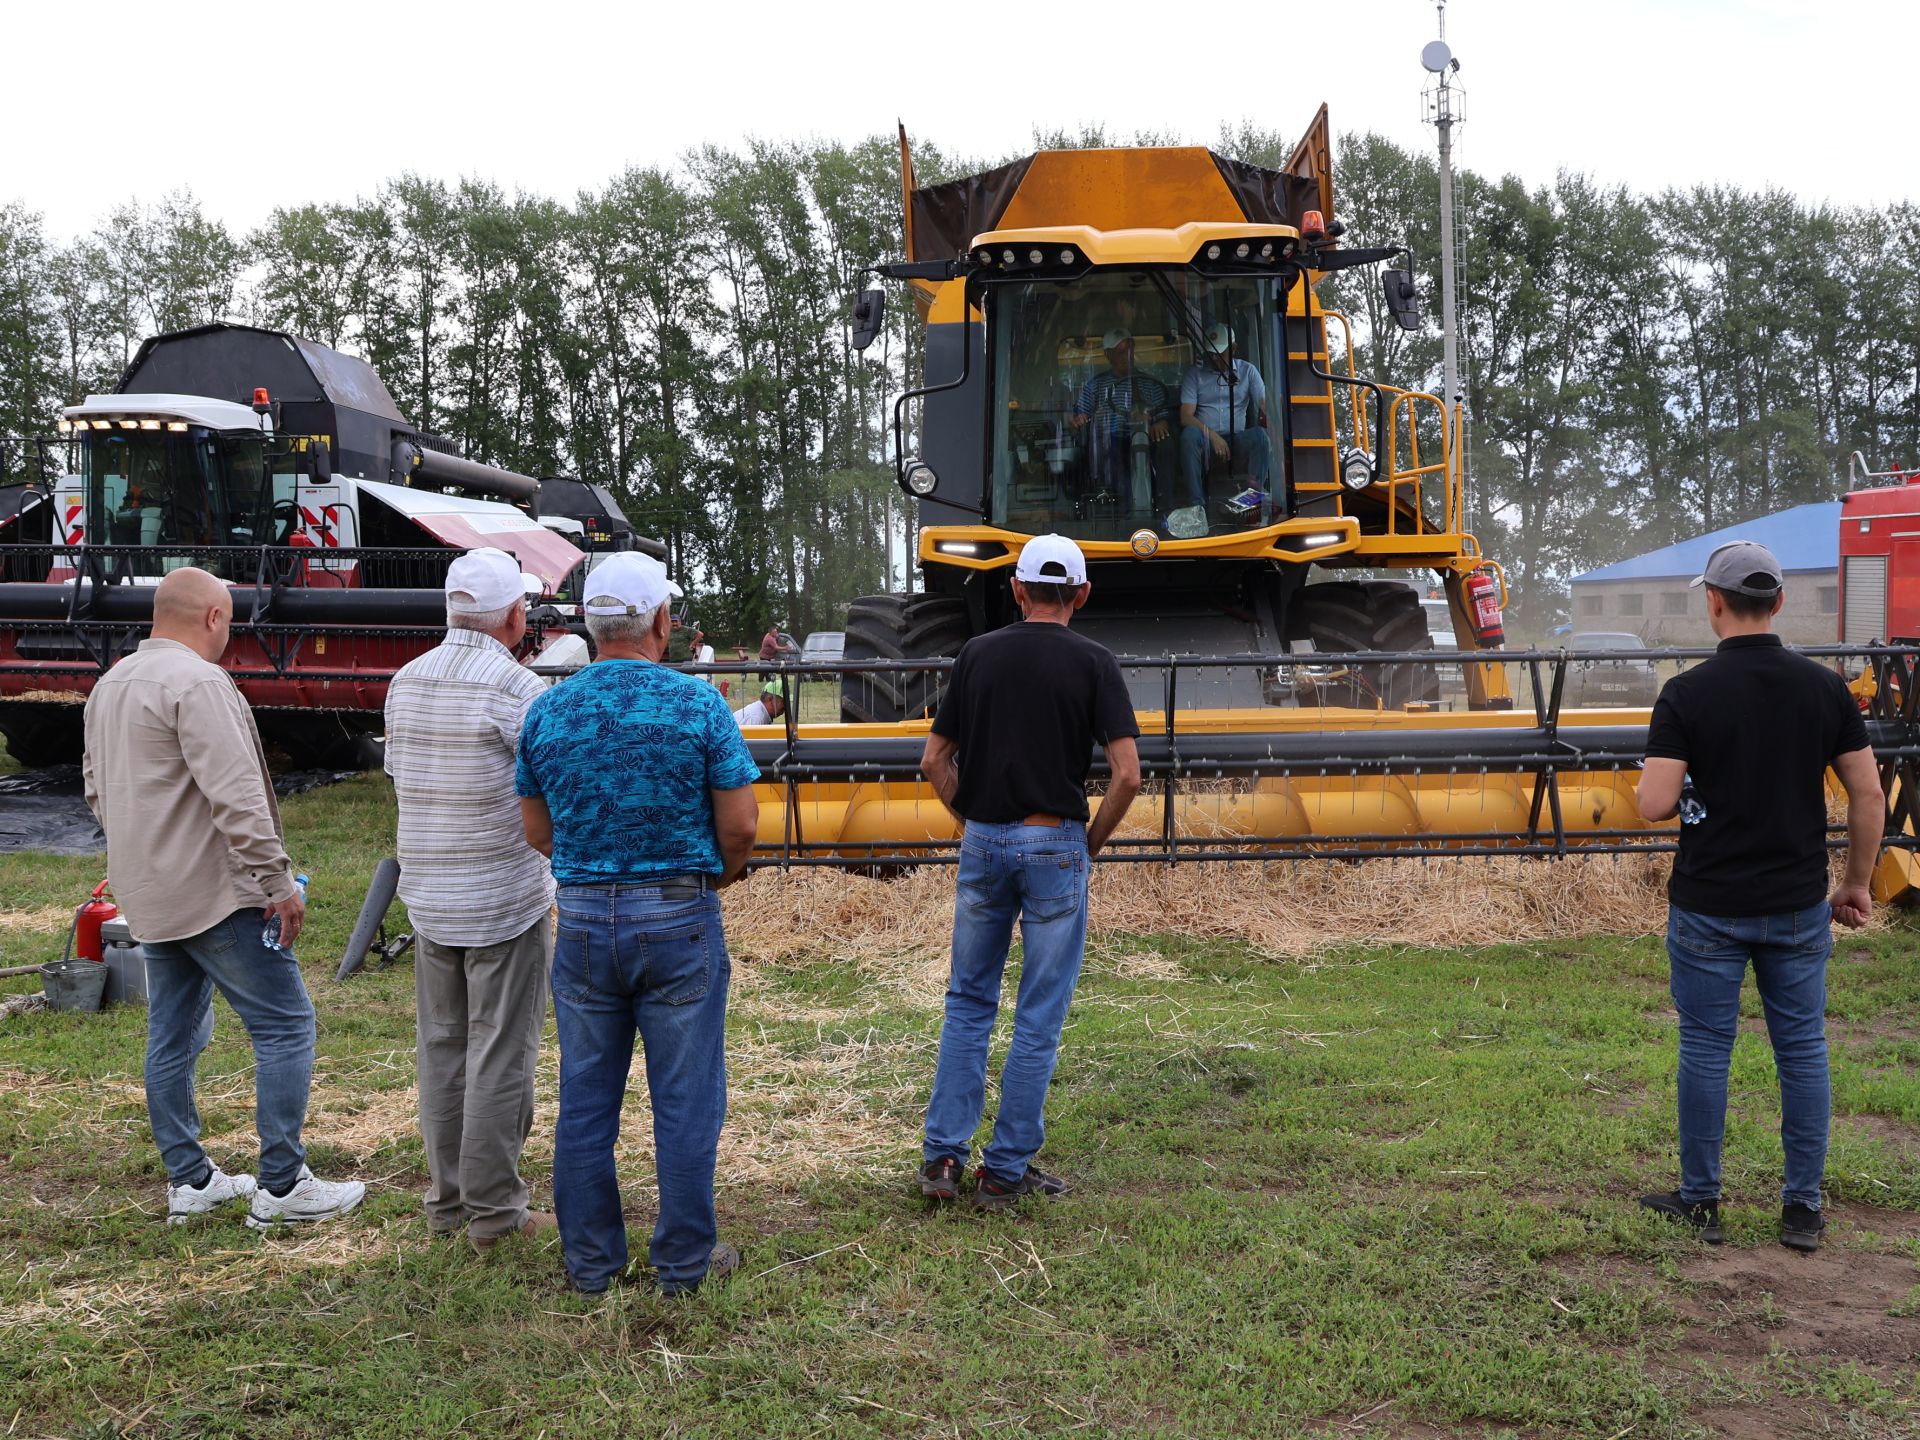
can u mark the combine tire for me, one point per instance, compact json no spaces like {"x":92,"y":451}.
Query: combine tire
{"x":900,"y":627}
{"x":1347,"y":616}
{"x":319,"y":740}
{"x":42,"y":736}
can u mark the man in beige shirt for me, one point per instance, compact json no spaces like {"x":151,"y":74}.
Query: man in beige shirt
{"x":176,"y":775}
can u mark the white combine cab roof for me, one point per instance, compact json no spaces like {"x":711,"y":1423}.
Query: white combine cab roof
{"x":162,"y":409}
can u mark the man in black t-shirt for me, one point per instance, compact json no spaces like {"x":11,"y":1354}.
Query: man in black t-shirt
{"x":1739,"y":747}
{"x":1009,"y":755}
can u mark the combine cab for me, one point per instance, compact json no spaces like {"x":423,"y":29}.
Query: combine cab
{"x":285,"y":468}
{"x":1126,"y":346}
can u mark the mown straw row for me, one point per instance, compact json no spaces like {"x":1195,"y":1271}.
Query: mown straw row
{"x":897,"y":930}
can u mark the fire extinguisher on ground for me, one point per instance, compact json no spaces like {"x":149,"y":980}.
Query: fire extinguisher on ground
{"x":87,"y":921}
{"x":1482,"y":596}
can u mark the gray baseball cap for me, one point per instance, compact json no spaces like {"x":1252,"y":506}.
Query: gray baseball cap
{"x":1745,"y":568}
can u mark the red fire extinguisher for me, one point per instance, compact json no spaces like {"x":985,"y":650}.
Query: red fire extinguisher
{"x":87,"y":921}
{"x":1483,"y":604}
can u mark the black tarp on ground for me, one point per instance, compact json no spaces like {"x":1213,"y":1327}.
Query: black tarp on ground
{"x":45,"y":810}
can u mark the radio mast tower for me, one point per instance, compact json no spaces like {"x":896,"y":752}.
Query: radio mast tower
{"x":1443,"y":109}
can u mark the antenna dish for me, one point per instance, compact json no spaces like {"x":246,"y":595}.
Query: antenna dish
{"x":1435,"y":56}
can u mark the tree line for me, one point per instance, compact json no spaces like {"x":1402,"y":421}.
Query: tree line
{"x":1638,"y":368}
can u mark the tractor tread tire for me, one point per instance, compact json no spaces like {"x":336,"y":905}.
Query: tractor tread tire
{"x":1355,"y":616}
{"x":39,"y":737}
{"x":900,"y":627}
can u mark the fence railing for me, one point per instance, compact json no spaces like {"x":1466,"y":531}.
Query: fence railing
{"x":1552,"y":777}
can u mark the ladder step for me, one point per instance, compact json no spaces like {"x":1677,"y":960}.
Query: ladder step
{"x":1312,"y":399}
{"x":1314,"y":444}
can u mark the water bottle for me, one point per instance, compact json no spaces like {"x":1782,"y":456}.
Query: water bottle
{"x":1692,"y":812}
{"x":270,"y":932}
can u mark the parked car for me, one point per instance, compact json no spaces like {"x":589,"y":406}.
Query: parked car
{"x":1453,"y":678}
{"x":825,"y":645}
{"x":1617,"y":681}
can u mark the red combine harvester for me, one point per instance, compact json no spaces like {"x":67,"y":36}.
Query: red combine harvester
{"x":285,"y":468}
{"x":1880,"y":556}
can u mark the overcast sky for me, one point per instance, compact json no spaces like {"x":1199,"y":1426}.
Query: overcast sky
{"x":254,"y":106}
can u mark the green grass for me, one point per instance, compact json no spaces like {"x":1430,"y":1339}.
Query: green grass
{"x":1383,"y":1190}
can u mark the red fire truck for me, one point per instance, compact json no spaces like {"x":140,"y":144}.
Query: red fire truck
{"x":1880,"y":555}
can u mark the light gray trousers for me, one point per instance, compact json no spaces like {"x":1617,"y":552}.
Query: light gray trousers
{"x":481,"y":1008}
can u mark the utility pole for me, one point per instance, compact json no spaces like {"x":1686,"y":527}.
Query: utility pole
{"x":1443,"y":110}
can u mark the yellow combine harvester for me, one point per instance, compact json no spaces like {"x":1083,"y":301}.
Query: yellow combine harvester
{"x":1126,"y":346}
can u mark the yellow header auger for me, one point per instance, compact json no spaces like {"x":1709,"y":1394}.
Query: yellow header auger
{"x":1126,"y":346}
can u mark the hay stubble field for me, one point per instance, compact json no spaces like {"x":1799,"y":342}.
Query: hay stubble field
{"x":1355,"y":1150}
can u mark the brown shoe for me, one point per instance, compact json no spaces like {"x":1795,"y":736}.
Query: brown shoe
{"x":536,"y":1221}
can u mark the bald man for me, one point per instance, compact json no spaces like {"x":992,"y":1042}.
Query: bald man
{"x":176,"y":775}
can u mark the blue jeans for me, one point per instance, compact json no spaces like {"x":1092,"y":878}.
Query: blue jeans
{"x":1789,"y":955}
{"x":264,"y":987}
{"x":1249,"y":448}
{"x":1039,"y":873}
{"x":624,"y":960}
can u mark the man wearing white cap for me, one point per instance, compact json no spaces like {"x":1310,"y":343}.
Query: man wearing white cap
{"x":1739,"y":747}
{"x":1122,"y":406}
{"x":479,"y":898}
{"x":1223,"y":418}
{"x":1009,"y":754}
{"x":635,"y":780}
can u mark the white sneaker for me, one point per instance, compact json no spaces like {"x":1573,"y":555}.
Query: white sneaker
{"x":310,"y":1199}
{"x":184,"y":1201}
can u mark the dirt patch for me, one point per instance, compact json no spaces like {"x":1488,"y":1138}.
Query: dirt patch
{"x":1856,"y":1216}
{"x":1747,"y":1311}
{"x":1881,"y":1029}
{"x":1746,"y":1304}
{"x":1896,"y":1134}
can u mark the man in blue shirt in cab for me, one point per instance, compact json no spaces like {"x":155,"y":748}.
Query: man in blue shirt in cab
{"x":1223,"y":419}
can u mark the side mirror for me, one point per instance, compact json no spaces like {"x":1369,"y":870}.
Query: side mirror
{"x":1403,"y":301}
{"x":868,"y":311}
{"x":322,"y":463}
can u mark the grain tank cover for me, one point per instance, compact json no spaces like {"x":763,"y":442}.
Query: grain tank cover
{"x":318,"y":391}
{"x":1149,"y":187}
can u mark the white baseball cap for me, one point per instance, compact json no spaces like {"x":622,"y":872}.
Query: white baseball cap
{"x":1053,"y":560}
{"x":490,"y":578}
{"x":1115,"y":338}
{"x":637,"y":583}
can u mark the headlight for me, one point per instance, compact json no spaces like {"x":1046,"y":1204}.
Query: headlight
{"x":1356,"y":470}
{"x":920,"y":478}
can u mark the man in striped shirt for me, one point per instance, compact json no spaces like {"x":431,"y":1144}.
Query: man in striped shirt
{"x":479,"y":898}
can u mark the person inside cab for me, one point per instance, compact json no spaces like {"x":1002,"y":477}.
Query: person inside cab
{"x":1126,"y":411}
{"x":1223,"y":417}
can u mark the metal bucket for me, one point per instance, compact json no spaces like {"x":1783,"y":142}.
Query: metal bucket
{"x":74,"y":984}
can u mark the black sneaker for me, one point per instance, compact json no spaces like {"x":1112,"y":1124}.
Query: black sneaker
{"x":940,"y":1179}
{"x":1702,"y":1215}
{"x":992,"y":1193}
{"x":722,"y":1261}
{"x":1800,"y":1227}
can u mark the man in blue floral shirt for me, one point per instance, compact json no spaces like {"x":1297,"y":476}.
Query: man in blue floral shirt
{"x":635,"y":780}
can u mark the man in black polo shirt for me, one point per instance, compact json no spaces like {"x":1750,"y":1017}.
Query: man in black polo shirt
{"x":1009,"y":755}
{"x":1739,"y":748}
